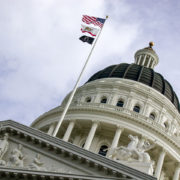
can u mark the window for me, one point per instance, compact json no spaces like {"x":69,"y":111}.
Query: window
{"x":88,"y":99}
{"x":104,"y":100}
{"x":166,"y":125}
{"x":83,"y":145}
{"x":152,"y":116}
{"x":103,"y":150}
{"x":136,"y":109}
{"x":120,"y":103}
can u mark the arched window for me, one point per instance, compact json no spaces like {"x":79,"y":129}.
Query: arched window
{"x":83,"y":145}
{"x":88,"y":99}
{"x":103,"y":150}
{"x":104,"y":100}
{"x":136,"y":109}
{"x":152,"y":116}
{"x":120,"y":103}
{"x":166,"y":125}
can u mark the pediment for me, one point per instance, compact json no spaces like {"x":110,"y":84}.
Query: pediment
{"x":28,"y":149}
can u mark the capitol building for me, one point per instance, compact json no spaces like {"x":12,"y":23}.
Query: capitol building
{"x":123,"y":123}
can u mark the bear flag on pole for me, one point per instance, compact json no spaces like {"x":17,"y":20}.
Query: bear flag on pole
{"x":87,"y":39}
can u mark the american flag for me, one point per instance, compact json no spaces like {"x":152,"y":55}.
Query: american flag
{"x":93,"y":20}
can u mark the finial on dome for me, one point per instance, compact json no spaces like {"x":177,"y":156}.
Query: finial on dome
{"x":151,"y":44}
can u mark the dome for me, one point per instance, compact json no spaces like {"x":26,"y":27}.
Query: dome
{"x":141,"y":74}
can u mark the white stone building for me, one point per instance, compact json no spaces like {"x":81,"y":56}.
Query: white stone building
{"x":124,"y":123}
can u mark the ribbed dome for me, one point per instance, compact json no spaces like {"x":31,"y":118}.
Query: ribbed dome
{"x":141,"y":74}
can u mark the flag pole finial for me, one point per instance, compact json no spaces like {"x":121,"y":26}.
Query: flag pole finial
{"x":107,"y":17}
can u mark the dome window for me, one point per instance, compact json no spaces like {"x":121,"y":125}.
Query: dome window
{"x":83,"y":145}
{"x":88,"y":99}
{"x":103,"y":150}
{"x":104,"y":100}
{"x":166,"y":125}
{"x":152,"y":116}
{"x":120,"y":103}
{"x":136,"y":109}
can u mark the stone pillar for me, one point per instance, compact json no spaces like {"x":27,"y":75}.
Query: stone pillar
{"x":51,"y":129}
{"x":139,"y":59}
{"x":115,"y":141}
{"x":136,"y":60}
{"x":152,"y":65}
{"x":160,"y":164}
{"x":69,"y":131}
{"x":144,"y":60}
{"x":149,"y":61}
{"x":128,"y":104}
{"x":117,"y":135}
{"x":177,"y":172}
{"x":91,"y":135}
{"x":98,"y":95}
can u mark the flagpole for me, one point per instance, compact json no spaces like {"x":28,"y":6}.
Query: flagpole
{"x":76,"y":85}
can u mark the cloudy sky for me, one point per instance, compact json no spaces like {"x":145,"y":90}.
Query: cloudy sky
{"x":41,"y":55}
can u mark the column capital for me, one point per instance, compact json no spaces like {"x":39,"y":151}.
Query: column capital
{"x":72,"y":120}
{"x":163,"y":150}
{"x":95,"y":122}
{"x":120,"y":127}
{"x":144,"y":137}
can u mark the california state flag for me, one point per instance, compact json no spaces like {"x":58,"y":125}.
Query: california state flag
{"x":92,"y":31}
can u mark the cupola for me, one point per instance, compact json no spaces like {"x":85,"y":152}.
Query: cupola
{"x":147,"y":57}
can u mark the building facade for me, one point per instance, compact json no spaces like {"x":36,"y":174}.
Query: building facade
{"x":123,"y":123}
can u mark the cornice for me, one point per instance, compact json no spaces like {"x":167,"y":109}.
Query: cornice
{"x":31,"y":174}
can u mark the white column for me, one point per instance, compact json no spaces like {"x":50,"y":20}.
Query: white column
{"x":68,"y":131}
{"x":149,"y":61}
{"x":152,"y":65}
{"x":129,"y":102}
{"x":144,"y":60}
{"x":115,"y":141}
{"x":177,"y":172}
{"x":51,"y":129}
{"x":139,"y":59}
{"x":116,"y":137}
{"x":160,"y":164}
{"x":91,"y":135}
{"x":136,"y":60}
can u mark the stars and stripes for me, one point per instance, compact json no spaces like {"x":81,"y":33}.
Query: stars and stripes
{"x":93,"y":20}
{"x":91,"y":30}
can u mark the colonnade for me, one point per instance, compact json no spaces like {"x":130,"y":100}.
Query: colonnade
{"x":114,"y":144}
{"x":140,"y":61}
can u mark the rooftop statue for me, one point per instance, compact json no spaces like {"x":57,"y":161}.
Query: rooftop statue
{"x":135,"y":151}
{"x":3,"y":148}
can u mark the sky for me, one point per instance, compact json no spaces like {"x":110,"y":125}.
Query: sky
{"x":41,"y":55}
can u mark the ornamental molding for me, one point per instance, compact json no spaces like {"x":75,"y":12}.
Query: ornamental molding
{"x":67,"y":150}
{"x":130,"y":86}
{"x":137,"y":120}
{"x":8,"y":173}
